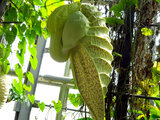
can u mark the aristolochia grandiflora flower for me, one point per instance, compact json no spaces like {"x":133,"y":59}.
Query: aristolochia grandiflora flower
{"x":79,"y":32}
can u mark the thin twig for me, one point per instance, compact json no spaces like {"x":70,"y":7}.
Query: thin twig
{"x":15,"y":6}
{"x":85,"y":112}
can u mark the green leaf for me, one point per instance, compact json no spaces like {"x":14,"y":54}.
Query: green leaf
{"x":32,"y":49}
{"x":75,"y":99}
{"x":44,"y":12}
{"x":15,"y":82}
{"x":57,"y":106}
{"x":7,"y":51}
{"x":31,"y":98}
{"x":2,"y":51}
{"x":41,"y":106}
{"x":132,"y":2}
{"x":37,"y":28}
{"x":155,"y":113}
{"x":117,"y":9}
{"x":34,"y":62}
{"x":114,"y":21}
{"x":18,"y":2}
{"x":147,"y":31}
{"x":1,"y":30}
{"x":31,"y":36}
{"x":5,"y":66}
{"x":27,"y":87}
{"x":10,"y":34}
{"x":20,"y":56}
{"x":18,"y":71}
{"x":20,"y":30}
{"x":22,"y":45}
{"x":141,"y":117}
{"x":21,"y":51}
{"x":51,"y":5}
{"x":154,"y":90}
{"x":10,"y":15}
{"x":43,"y":24}
{"x":117,"y":54}
{"x":157,"y":102}
{"x":37,"y":2}
{"x":26,"y":11}
{"x":158,"y":0}
{"x":18,"y":87}
{"x":30,"y":77}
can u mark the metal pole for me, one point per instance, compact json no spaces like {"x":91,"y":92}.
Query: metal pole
{"x":63,"y":95}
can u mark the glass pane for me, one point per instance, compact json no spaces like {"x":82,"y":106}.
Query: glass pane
{"x":45,"y":93}
{"x":74,"y":112}
{"x":6,"y":112}
{"x":47,"y":114}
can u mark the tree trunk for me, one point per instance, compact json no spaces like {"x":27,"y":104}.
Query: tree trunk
{"x":123,"y":80}
{"x":2,"y":9}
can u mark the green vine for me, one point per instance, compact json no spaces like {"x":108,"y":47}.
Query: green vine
{"x":25,"y":20}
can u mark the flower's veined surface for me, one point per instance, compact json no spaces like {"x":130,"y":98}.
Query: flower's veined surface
{"x":79,"y":32}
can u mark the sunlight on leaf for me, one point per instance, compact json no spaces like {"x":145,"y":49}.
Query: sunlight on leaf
{"x":147,"y":31}
{"x":34,"y":62}
{"x":57,"y":106}
{"x":41,"y":106}
{"x":1,"y":30}
{"x":114,"y":21}
{"x":32,"y":49}
{"x":53,"y":4}
{"x":31,"y":98}
{"x":30,"y":77}
{"x":31,"y":36}
{"x":18,"y":87}
{"x":18,"y":71}
{"x":20,"y":57}
{"x":43,"y":24}
{"x":155,"y":112}
{"x":27,"y":87}
{"x":75,"y":99}
{"x":37,"y":2}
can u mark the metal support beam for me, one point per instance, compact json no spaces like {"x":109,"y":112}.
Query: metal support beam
{"x":55,"y":81}
{"x":63,"y":95}
{"x":24,"y":112}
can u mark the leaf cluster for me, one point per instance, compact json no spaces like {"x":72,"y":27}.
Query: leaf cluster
{"x":23,"y":21}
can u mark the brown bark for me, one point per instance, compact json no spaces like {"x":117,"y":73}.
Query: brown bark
{"x":2,"y":9}
{"x":143,"y":53}
{"x":123,"y":80}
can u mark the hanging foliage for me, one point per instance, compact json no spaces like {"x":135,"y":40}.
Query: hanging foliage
{"x":25,"y":20}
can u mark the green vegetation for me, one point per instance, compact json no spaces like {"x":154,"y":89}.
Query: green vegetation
{"x":135,"y":77}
